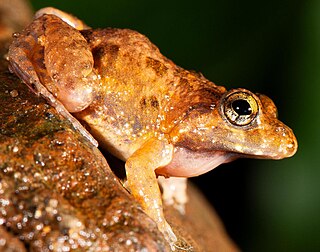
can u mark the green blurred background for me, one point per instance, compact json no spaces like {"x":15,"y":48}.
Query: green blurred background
{"x":271,"y":47}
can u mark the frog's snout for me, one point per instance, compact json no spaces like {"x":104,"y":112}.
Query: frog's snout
{"x":278,"y":141}
{"x":288,"y":143}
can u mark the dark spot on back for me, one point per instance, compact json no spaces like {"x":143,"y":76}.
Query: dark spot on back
{"x":154,"y":102}
{"x":151,"y":101}
{"x":143,"y":102}
{"x":113,"y":50}
{"x":183,"y":82}
{"x":104,"y":51}
{"x":97,"y":52}
{"x":159,"y":68}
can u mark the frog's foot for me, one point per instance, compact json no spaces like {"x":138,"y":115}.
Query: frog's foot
{"x":174,"y":192}
{"x":172,"y":239}
{"x":168,"y":233}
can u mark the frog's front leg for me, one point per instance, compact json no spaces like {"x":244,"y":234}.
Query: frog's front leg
{"x":142,"y":181}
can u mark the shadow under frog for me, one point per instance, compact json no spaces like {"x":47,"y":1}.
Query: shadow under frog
{"x":160,"y":119}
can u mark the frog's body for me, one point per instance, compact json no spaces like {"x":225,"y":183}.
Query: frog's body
{"x":143,"y":95}
{"x":127,"y":109}
{"x":156,"y":116}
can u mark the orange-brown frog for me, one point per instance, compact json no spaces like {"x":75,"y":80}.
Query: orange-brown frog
{"x":160,"y":119}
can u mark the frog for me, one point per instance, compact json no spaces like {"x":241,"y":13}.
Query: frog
{"x":166,"y":123}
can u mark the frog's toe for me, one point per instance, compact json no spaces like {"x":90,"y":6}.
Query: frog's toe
{"x":168,"y":233}
{"x":174,"y":192}
{"x":181,"y":208}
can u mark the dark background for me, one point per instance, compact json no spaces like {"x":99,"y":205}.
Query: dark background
{"x":271,"y":47}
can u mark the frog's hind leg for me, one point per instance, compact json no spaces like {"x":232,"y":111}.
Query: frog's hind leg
{"x":26,"y":60}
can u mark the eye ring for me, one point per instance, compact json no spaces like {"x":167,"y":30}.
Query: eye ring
{"x":240,"y":108}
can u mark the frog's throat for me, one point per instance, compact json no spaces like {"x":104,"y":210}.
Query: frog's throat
{"x":188,"y":163}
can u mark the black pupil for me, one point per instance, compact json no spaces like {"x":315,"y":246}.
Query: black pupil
{"x":242,"y":107}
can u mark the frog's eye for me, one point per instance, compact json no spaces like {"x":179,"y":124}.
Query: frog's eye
{"x":240,"y":108}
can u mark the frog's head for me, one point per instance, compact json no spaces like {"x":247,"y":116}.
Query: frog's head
{"x":253,"y":128}
{"x":238,"y":124}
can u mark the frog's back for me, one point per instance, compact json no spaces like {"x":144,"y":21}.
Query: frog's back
{"x":142,"y":93}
